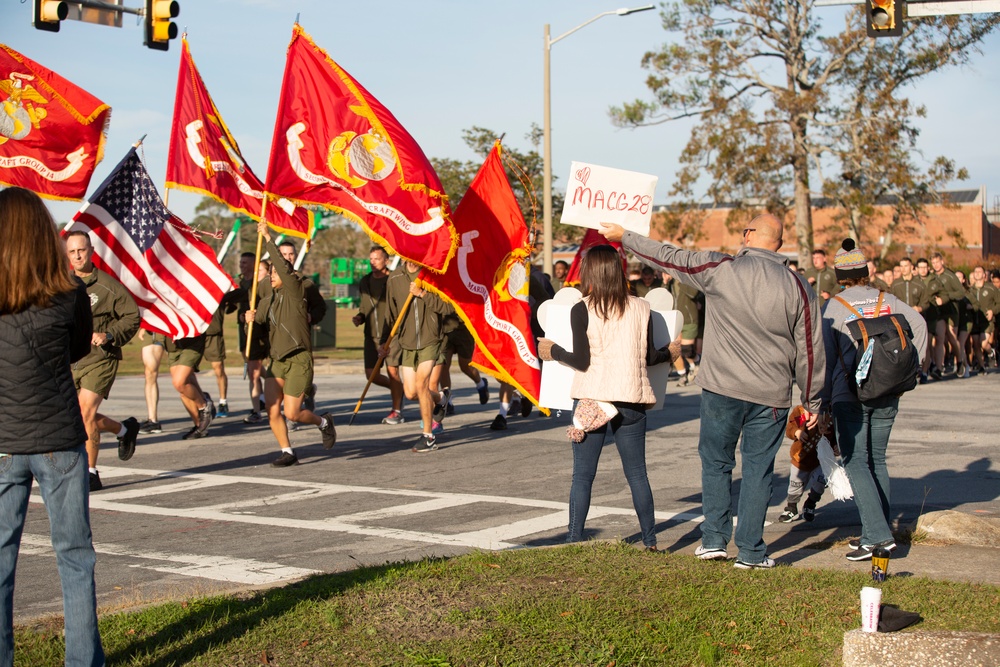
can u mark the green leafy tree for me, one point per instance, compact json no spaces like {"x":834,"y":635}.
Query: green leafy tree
{"x":763,"y":82}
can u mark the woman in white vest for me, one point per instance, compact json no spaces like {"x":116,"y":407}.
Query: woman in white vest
{"x":612,"y":346}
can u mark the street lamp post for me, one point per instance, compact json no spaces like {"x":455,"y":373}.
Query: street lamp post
{"x":547,"y":129}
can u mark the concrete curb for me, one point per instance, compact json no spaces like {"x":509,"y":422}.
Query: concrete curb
{"x":927,"y":649}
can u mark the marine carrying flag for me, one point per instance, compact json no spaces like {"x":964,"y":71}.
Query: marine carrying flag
{"x":336,"y":146}
{"x":205,"y":158}
{"x":51,"y":131}
{"x":487,"y":281}
{"x":172,"y":275}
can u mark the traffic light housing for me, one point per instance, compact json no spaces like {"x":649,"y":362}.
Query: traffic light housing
{"x":159,"y":28}
{"x":884,"y":18}
{"x":48,"y":14}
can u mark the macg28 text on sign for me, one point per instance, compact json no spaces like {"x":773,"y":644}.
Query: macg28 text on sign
{"x":598,"y":194}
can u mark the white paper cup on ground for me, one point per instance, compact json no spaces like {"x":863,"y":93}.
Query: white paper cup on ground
{"x":871,"y":600}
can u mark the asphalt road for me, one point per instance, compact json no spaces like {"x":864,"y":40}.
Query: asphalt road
{"x":185,"y":518}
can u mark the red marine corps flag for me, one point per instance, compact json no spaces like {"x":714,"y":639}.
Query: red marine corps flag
{"x":51,"y":132}
{"x":487,"y":282}
{"x":205,"y":158}
{"x":171,"y":274}
{"x":336,"y":146}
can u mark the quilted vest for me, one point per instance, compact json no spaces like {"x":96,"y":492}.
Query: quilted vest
{"x":617,"y":369}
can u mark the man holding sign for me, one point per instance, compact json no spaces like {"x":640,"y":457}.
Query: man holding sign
{"x":762,"y":332}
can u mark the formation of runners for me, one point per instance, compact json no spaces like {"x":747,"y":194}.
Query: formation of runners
{"x":415,"y":363}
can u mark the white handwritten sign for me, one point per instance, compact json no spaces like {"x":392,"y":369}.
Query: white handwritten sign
{"x":598,"y":194}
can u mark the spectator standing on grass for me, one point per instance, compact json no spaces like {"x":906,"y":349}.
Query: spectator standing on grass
{"x":45,"y":325}
{"x":821,"y":277}
{"x":762,"y":333}
{"x":863,"y":428}
{"x":116,"y":320}
{"x":612,"y":346}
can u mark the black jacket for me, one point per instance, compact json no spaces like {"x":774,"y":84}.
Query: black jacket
{"x":39,"y":410}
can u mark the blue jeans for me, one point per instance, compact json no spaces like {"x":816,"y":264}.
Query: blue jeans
{"x":863,"y":435}
{"x":63,"y":479}
{"x":723,"y":419}
{"x":629,"y":430}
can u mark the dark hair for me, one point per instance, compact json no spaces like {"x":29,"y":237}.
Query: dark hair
{"x":923,"y":259}
{"x":904,"y":259}
{"x":79,"y":232}
{"x":851,"y":282}
{"x":31,"y":253}
{"x":560,"y":261}
{"x":378,"y":247}
{"x":604,"y":281}
{"x":819,"y":251}
{"x":248,"y":254}
{"x":937,"y":255}
{"x":288,"y":243}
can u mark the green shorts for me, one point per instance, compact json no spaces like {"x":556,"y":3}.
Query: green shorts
{"x":296,"y":370}
{"x":413,"y":358}
{"x":950,"y":310}
{"x":690,"y":331}
{"x":97,"y":377}
{"x":215,"y":348}
{"x":187,"y":352}
{"x":395,"y":356}
{"x":156,"y":339}
{"x":461,"y":342}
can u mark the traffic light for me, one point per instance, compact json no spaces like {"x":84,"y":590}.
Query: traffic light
{"x":884,"y":18}
{"x":48,"y":14}
{"x":159,"y":28}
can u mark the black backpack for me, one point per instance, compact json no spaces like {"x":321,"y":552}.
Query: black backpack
{"x":895,"y":362}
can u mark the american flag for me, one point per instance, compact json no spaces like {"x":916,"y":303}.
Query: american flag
{"x":172,"y":275}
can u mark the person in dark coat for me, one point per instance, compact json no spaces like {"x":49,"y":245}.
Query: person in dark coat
{"x":45,"y":325}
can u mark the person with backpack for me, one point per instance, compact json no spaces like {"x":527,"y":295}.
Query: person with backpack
{"x":867,"y":330}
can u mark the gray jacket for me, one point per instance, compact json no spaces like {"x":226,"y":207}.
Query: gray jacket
{"x":762,"y":322}
{"x":835,"y":334}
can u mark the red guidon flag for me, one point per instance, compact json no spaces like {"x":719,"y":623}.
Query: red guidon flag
{"x":336,"y":146}
{"x":172,"y":275}
{"x":590,"y":239}
{"x":51,"y":132}
{"x":205,"y":158}
{"x":487,"y":282}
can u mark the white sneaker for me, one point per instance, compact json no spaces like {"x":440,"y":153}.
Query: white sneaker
{"x":705,"y":553}
{"x":765,"y":564}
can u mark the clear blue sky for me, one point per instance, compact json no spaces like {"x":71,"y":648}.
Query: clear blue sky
{"x":441,"y":66}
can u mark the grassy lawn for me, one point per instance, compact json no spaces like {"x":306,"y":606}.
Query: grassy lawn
{"x":350,"y":345}
{"x":594,"y":604}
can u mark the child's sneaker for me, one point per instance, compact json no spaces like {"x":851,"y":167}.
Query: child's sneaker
{"x":808,"y":513}
{"x":789,"y":515}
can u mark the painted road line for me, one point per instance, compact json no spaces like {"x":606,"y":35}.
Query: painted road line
{"x":219,"y":568}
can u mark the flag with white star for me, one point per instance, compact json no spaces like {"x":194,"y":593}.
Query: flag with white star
{"x":171,"y":273}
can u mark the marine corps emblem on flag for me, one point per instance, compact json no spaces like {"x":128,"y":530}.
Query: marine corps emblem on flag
{"x":51,"y":132}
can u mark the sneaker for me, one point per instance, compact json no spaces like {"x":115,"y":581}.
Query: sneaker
{"x":126,"y":443}
{"x":962,"y":372}
{"x":149,"y":426}
{"x":864,"y":551}
{"x":515,"y":406}
{"x":856,"y":544}
{"x":223,"y":410}
{"x":526,"y":407}
{"x":923,"y":378}
{"x":330,"y":432}
{"x":428,"y":443}
{"x":205,"y":417}
{"x":394,"y":417}
{"x":436,"y":427}
{"x":936,"y":374}
{"x":450,"y":410}
{"x":209,"y":404}
{"x":684,"y":380}
{"x":254,"y":418}
{"x":309,"y":400}
{"x":440,"y":409}
{"x":95,"y":482}
{"x":706,"y":553}
{"x":193,"y":434}
{"x":808,"y":513}
{"x":285,"y":460}
{"x":290,"y":425}
{"x":765,"y":564}
{"x":499,"y":423}
{"x":788,"y":516}
{"x":484,"y":393}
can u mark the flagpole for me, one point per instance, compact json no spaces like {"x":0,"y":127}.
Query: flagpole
{"x":378,"y":364}
{"x":256,"y":270}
